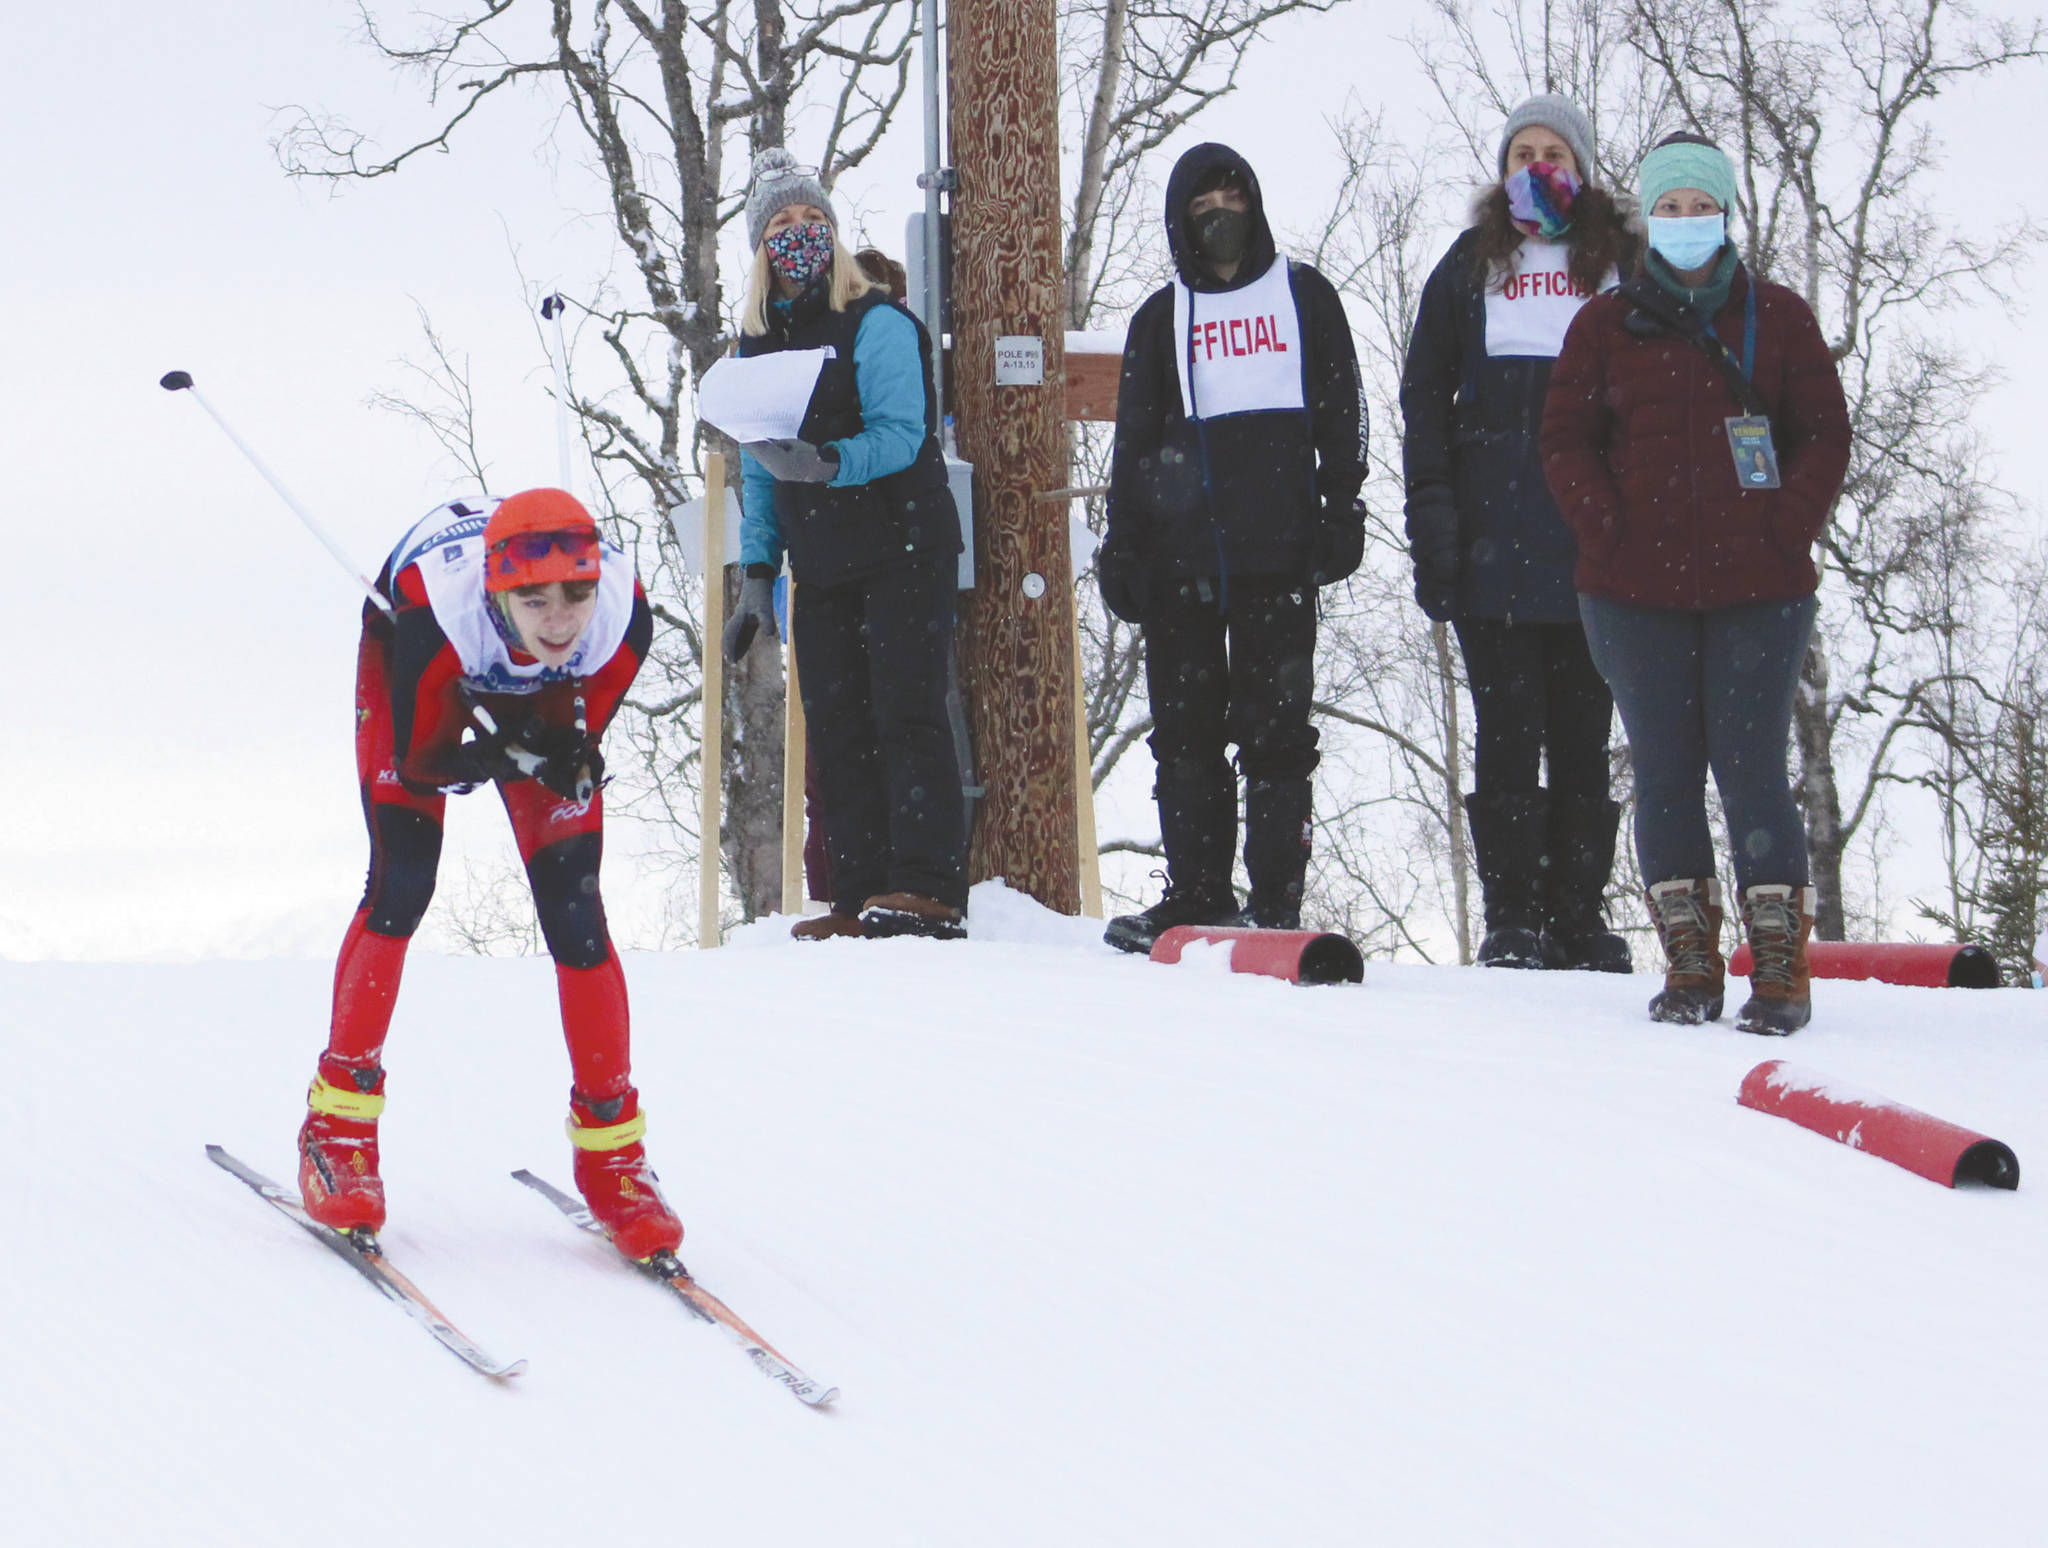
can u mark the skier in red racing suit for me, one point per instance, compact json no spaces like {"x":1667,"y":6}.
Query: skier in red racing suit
{"x":516,"y":633}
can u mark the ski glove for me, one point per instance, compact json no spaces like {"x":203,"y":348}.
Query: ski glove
{"x":573,"y":768}
{"x":1340,"y":544}
{"x":1125,"y":584}
{"x":561,"y":758}
{"x":754,"y":612}
{"x":487,"y":756}
{"x":797,"y":462}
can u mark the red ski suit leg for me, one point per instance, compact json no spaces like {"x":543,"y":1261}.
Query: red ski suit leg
{"x":405,"y":854}
{"x":562,"y":843}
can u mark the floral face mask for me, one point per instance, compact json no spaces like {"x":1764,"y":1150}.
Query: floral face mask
{"x":801,"y":253}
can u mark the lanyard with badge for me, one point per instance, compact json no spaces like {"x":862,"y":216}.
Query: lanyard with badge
{"x":1749,"y":435}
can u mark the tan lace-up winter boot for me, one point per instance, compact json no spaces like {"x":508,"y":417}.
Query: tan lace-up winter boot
{"x":1688,"y":919}
{"x":828,"y":926}
{"x":1778,"y":921}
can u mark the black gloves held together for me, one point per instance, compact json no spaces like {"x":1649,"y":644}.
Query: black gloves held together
{"x":570,"y":764}
{"x":563,"y":759}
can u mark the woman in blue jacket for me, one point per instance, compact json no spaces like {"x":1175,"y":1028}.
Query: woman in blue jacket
{"x":1492,"y":556}
{"x":859,"y":502}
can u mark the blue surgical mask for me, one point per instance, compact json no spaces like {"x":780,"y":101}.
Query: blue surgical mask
{"x":1687,"y":241}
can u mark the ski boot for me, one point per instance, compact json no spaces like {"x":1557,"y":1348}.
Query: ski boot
{"x":338,"y":1147}
{"x":614,"y":1178}
{"x":1687,"y":915}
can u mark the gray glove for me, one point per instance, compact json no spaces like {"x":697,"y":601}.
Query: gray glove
{"x":797,"y":462}
{"x":754,"y":612}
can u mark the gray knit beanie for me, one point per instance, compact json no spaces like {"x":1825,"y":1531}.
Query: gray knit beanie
{"x":1562,"y":117}
{"x":777,"y":182}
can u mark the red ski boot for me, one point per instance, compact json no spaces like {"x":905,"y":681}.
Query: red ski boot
{"x":613,"y":1176}
{"x":338,"y":1147}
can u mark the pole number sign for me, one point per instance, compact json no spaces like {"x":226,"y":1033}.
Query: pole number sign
{"x":1020,"y":361}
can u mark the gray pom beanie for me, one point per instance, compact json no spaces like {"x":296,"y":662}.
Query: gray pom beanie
{"x":1562,"y":117}
{"x":777,"y":181}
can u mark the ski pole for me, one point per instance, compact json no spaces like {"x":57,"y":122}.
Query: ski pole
{"x":551,"y":310}
{"x":181,"y":381}
{"x":586,"y":787}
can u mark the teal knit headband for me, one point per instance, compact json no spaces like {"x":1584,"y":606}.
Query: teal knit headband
{"x":1704,"y":167}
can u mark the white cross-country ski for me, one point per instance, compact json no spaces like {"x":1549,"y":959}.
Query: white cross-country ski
{"x":668,"y":1269}
{"x":361,"y":1251}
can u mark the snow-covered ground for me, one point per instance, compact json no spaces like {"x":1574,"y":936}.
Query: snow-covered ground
{"x":1099,"y":1253}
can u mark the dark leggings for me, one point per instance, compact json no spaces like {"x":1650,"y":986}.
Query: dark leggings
{"x":1700,"y":691}
{"x":1535,"y":691}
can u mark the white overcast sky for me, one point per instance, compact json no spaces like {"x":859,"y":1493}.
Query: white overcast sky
{"x":177,"y":767}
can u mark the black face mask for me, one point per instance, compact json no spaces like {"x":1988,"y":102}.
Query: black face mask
{"x":1222,"y":235}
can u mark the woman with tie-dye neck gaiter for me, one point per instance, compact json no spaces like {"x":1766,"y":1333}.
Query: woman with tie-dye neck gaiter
{"x":1492,"y":556}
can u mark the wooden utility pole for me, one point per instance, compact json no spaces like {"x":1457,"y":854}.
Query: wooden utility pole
{"x":1008,"y":383}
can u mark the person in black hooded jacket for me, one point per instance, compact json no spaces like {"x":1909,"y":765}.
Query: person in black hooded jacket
{"x":1240,"y":449}
{"x":1492,"y":555}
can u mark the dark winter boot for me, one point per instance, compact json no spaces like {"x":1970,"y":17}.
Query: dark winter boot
{"x":1581,"y":849}
{"x":614,"y":1178}
{"x":1278,"y":830}
{"x":338,"y":1176}
{"x":1687,"y":915}
{"x":1198,"y":830}
{"x":911,"y":913}
{"x":1508,"y":835}
{"x":1180,"y":906}
{"x":1778,"y":921}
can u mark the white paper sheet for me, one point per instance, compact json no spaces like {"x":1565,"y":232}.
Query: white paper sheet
{"x":688,"y":521}
{"x":761,"y":397}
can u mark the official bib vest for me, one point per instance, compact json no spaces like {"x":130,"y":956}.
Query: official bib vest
{"x":1528,"y":312}
{"x":1239,"y":351}
{"x":448,"y":546}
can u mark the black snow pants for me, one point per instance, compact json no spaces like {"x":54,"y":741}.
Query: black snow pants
{"x":871,"y":658}
{"x":1234,"y":665}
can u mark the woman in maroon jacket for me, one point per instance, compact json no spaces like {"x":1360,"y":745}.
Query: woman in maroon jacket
{"x":1695,"y":436}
